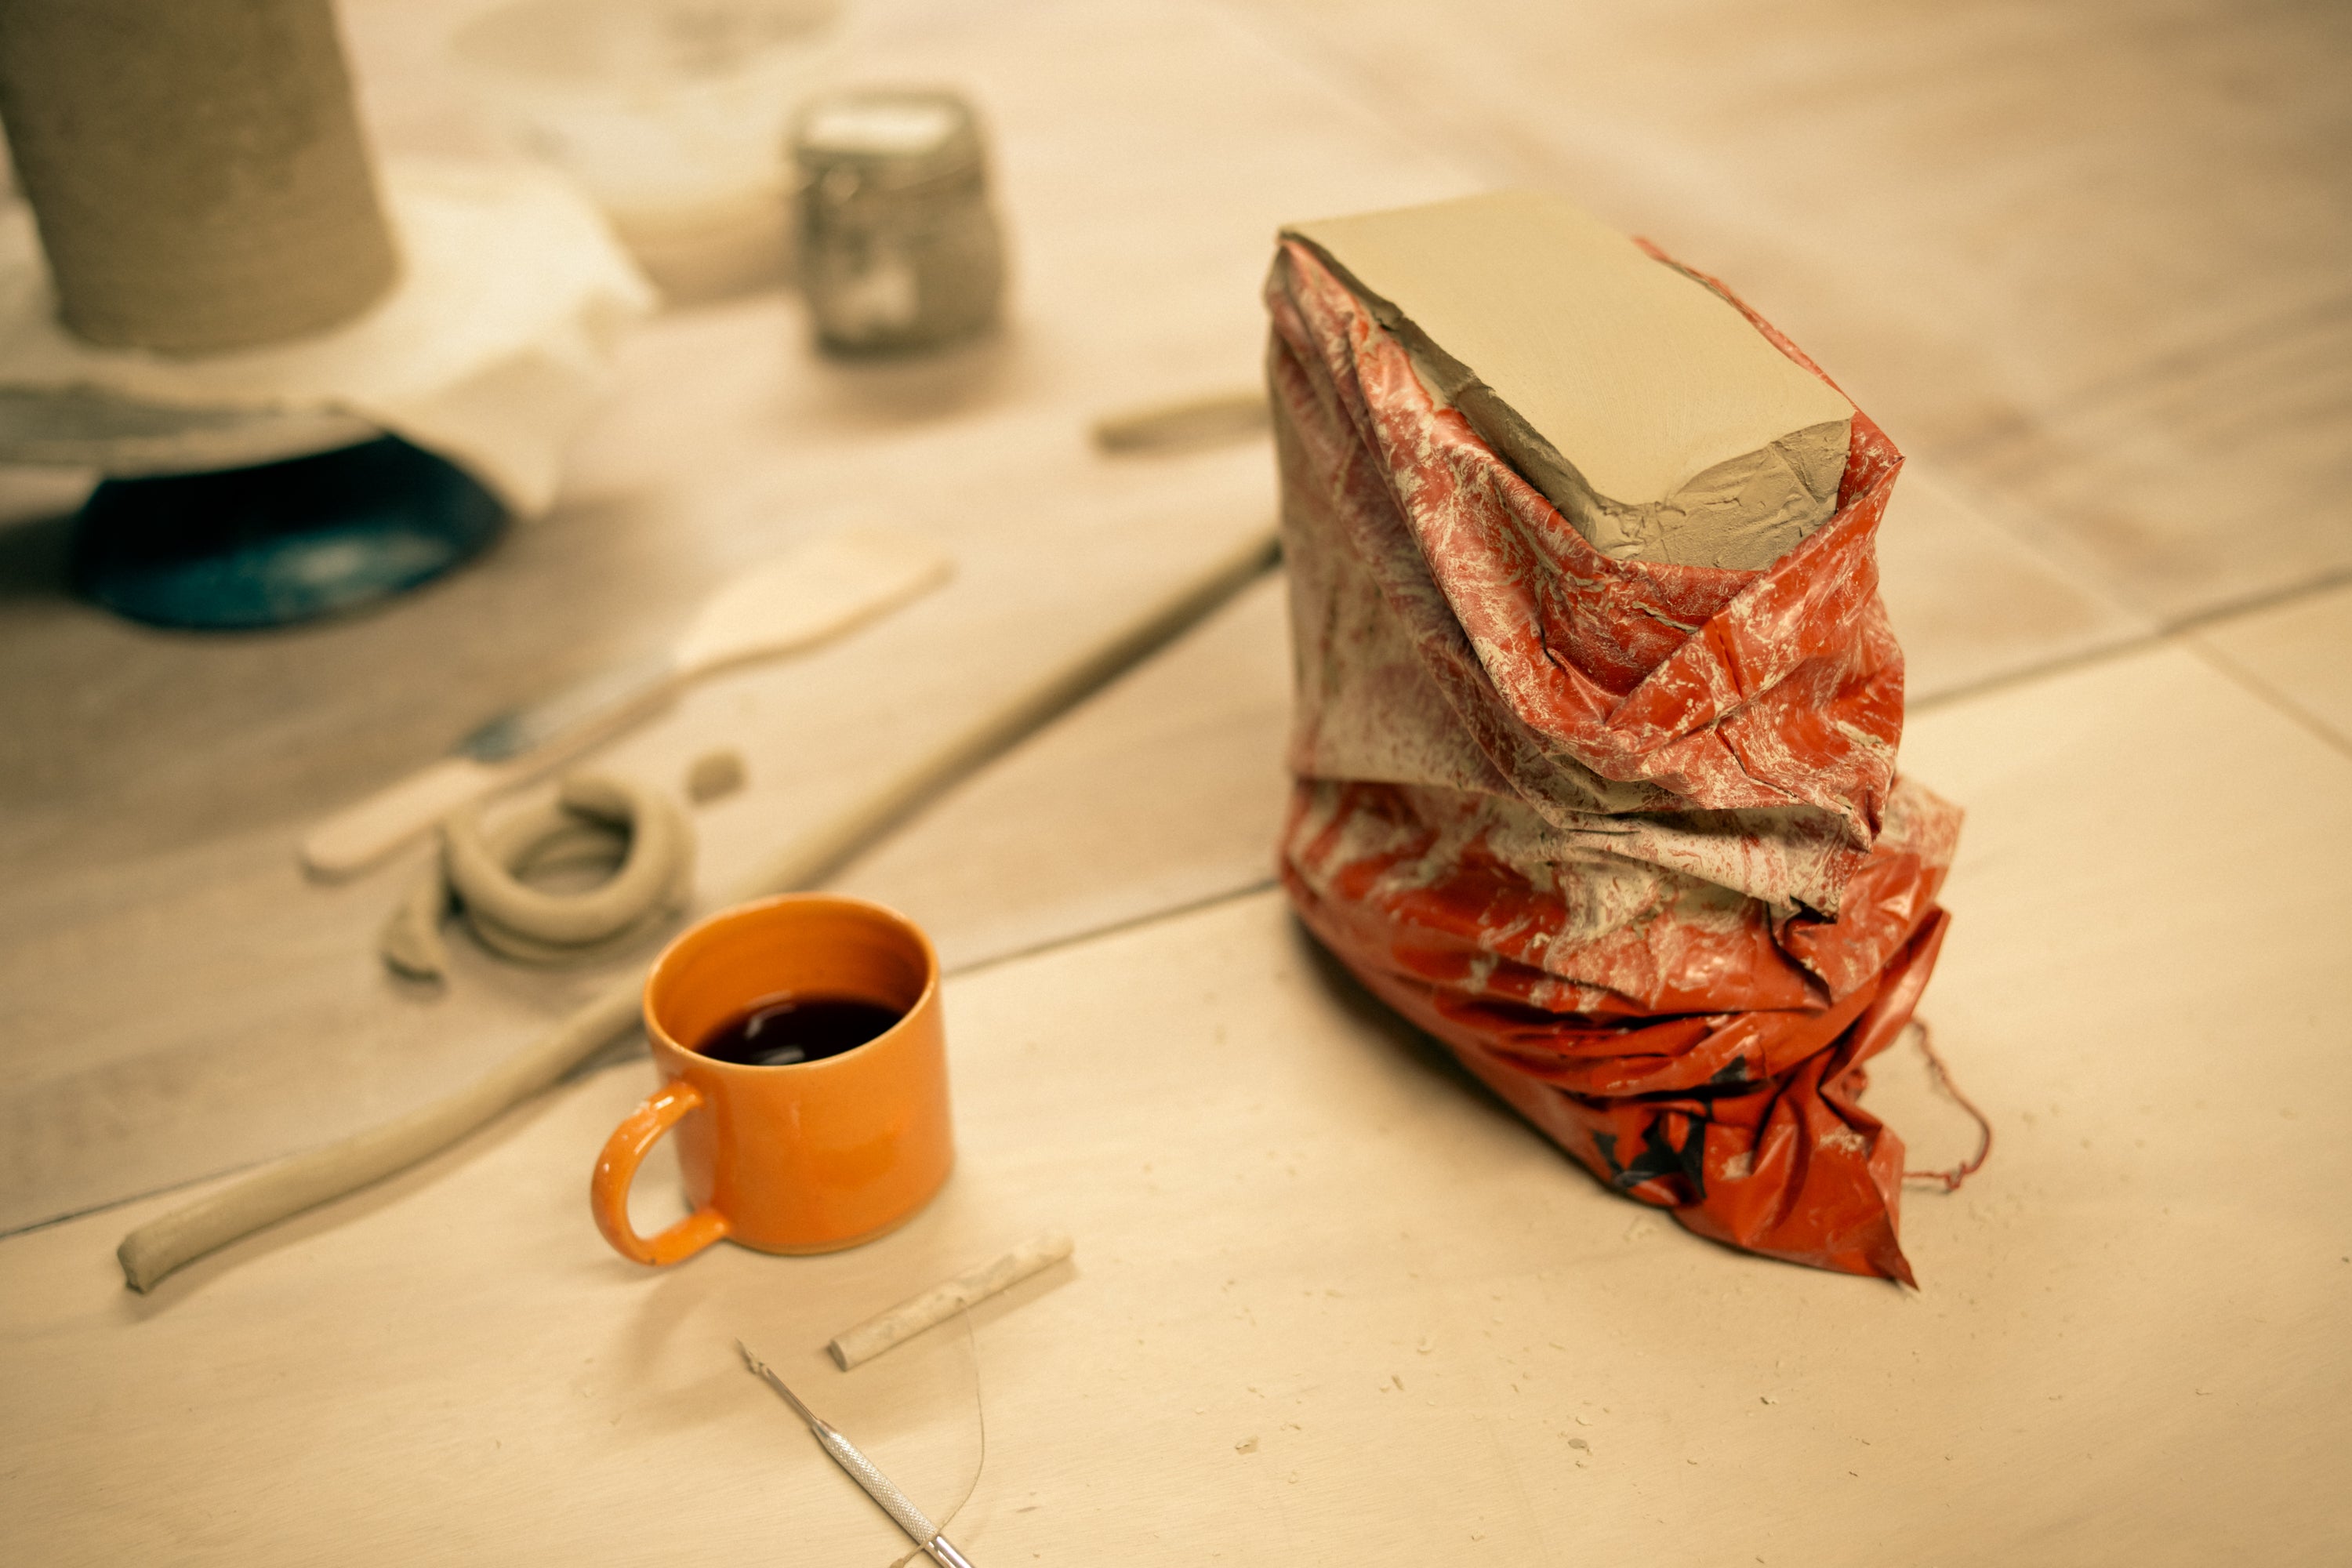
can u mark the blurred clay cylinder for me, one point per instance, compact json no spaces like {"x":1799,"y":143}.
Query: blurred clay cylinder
{"x":195,"y":168}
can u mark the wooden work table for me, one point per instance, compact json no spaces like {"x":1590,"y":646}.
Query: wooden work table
{"x":1330,"y":1301}
{"x":221,"y":1009}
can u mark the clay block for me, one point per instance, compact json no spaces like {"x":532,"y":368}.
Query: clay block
{"x":1639,"y":401}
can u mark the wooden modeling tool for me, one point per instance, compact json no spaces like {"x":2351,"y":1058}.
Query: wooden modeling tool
{"x":894,"y":1502}
{"x":788,"y":605}
{"x":945,"y":1300}
{"x":322,"y":1175}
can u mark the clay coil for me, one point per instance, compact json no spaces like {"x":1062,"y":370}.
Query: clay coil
{"x":594,"y":823}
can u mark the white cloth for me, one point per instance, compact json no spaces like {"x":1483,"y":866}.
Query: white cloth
{"x":496,"y":339}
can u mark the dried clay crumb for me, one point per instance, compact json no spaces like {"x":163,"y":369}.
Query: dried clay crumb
{"x":1247,"y":1445}
{"x":715,"y":773}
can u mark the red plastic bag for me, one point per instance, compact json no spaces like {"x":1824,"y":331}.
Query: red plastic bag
{"x":1627,"y":837}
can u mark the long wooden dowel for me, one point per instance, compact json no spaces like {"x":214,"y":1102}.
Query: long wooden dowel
{"x":321,"y":1175}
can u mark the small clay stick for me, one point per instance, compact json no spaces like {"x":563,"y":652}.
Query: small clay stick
{"x":1196,"y":422}
{"x":943,"y":1300}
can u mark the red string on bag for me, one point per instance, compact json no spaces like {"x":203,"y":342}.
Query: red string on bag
{"x":1950,"y":1180}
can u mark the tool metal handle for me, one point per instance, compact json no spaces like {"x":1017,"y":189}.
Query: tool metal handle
{"x":572,"y":719}
{"x":896,"y":1503}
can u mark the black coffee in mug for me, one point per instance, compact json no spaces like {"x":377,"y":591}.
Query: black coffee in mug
{"x":779,"y":1031}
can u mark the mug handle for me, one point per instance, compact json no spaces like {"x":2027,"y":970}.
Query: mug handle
{"x":616,"y":1168}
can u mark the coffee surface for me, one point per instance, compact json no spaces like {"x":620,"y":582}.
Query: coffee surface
{"x":779,"y":1031}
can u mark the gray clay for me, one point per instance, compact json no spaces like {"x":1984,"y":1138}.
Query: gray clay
{"x":1641,"y":403}
{"x":195,"y":169}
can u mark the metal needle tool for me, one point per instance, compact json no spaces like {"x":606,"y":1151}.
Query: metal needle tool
{"x":896,"y":1503}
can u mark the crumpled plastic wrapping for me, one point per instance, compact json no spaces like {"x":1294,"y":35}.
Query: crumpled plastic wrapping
{"x":1627,"y":837}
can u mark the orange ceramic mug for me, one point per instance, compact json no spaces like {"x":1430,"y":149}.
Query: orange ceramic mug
{"x":807,"y":1157}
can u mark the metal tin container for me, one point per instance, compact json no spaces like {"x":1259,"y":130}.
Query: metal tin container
{"x":900,"y":251}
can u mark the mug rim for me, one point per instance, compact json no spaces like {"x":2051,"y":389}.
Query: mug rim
{"x":660,"y":1035}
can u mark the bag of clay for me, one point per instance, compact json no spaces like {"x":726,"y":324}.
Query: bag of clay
{"x":1596,"y":783}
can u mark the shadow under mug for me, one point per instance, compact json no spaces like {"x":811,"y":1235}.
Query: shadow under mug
{"x":811,"y":1156}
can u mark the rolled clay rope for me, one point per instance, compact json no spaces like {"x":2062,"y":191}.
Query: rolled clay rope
{"x":592,"y":822}
{"x":306,"y":1180}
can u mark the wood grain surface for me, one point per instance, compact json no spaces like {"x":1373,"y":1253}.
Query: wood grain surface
{"x":2091,"y":255}
{"x":1331,"y":1303}
{"x":176,"y":1000}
